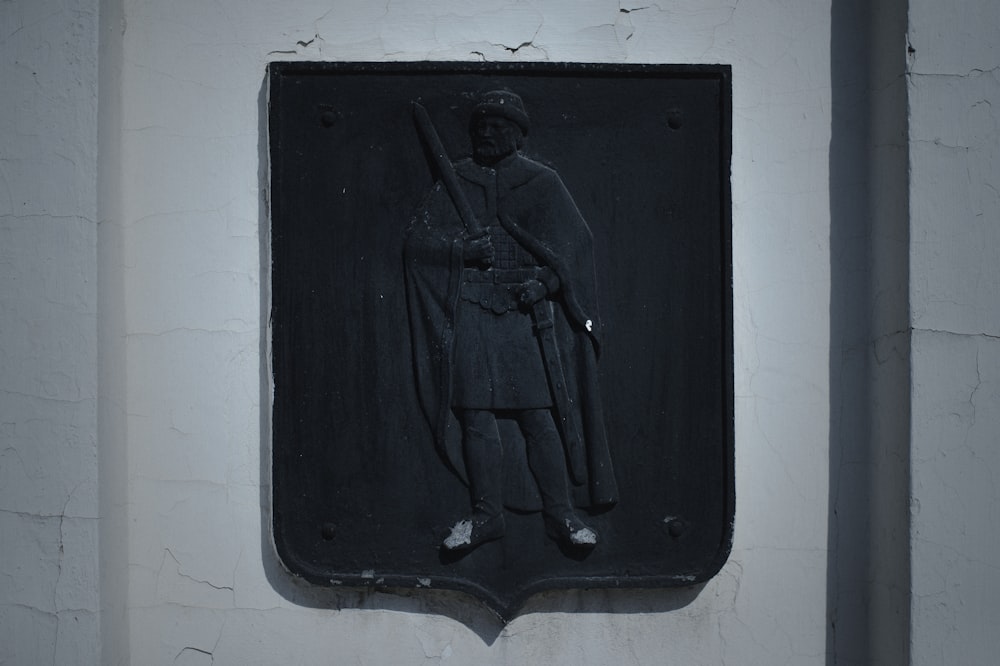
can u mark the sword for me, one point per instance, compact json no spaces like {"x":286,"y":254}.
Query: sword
{"x":541,"y":314}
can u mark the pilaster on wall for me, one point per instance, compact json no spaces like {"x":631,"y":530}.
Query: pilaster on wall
{"x":954,"y":91}
{"x":49,"y":592}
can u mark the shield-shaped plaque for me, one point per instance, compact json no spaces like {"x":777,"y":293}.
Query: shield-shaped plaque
{"x":501,"y":325}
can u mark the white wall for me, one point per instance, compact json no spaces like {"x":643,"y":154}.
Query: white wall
{"x":831,"y":241}
{"x":49,"y":598}
{"x":111,"y":357}
{"x":954,"y":94}
{"x":192,"y":77}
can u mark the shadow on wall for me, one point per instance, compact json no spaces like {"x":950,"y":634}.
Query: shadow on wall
{"x":867,"y":565}
{"x":458,"y":606}
{"x":848,"y":520}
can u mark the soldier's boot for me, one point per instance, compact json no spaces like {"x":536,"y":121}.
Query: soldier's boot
{"x":547,"y":461}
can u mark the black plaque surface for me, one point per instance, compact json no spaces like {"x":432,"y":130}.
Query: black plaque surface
{"x":361,"y":494}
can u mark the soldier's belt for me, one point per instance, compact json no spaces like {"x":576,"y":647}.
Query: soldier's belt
{"x":510,"y":276}
{"x":495,"y":290}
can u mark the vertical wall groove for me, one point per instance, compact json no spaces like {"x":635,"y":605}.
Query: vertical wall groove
{"x":112,"y":440}
{"x":868,"y":568}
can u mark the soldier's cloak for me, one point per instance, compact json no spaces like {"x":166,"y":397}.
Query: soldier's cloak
{"x":533,"y":205}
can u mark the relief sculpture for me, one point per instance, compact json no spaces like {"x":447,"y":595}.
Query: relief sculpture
{"x":500,"y":328}
{"x":504,"y":322}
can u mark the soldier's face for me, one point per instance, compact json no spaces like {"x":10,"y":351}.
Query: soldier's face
{"x":494,"y":139}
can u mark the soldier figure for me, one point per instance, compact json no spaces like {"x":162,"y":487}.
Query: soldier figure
{"x":480,"y":302}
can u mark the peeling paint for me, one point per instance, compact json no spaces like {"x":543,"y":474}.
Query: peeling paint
{"x":461,"y":535}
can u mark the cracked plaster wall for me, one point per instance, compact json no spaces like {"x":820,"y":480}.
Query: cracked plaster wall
{"x":49,"y":593}
{"x":953,"y":82}
{"x":191,"y":76}
{"x":183,"y":575}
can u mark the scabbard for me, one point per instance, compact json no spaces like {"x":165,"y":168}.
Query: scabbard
{"x":565,"y":409}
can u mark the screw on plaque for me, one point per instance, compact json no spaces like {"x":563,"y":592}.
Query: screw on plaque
{"x":328,"y":115}
{"x":675,"y":118}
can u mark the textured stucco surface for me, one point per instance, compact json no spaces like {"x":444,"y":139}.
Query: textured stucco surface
{"x":954,"y":88}
{"x":49,"y":598}
{"x":192,"y":75}
{"x":866,"y":333}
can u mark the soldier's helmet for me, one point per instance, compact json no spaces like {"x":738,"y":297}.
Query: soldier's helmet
{"x":504,"y":104}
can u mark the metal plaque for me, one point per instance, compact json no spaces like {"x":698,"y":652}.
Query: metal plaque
{"x":501,"y":325}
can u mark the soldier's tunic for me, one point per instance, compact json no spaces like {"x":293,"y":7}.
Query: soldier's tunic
{"x":497,"y":362}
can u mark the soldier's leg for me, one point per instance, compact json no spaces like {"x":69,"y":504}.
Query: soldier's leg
{"x":483,"y":455}
{"x":547,"y":461}
{"x":483,"y":460}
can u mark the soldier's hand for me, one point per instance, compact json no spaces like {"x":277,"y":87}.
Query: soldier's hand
{"x":530,"y":292}
{"x":478,"y":249}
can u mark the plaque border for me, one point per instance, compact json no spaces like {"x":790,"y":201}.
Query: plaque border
{"x":507,"y":608}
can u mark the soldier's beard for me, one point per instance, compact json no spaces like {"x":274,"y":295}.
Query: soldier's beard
{"x":490,"y":152}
